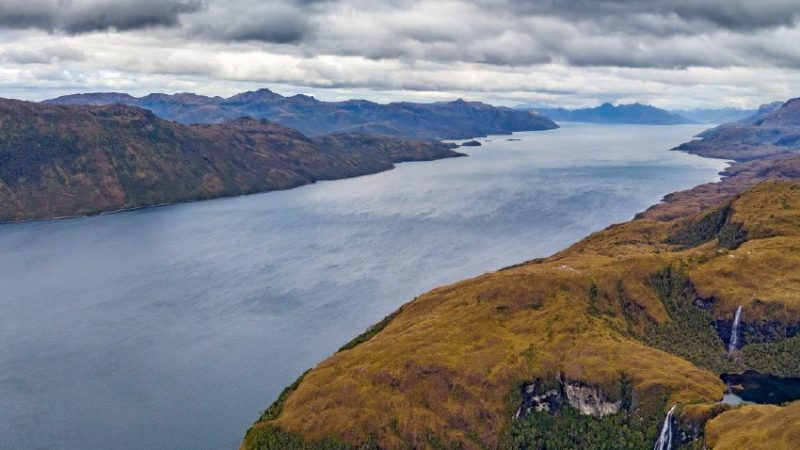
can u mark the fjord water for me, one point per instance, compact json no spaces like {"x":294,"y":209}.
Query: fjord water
{"x":175,"y":327}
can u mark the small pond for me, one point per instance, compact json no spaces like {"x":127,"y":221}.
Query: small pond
{"x":755,"y":387}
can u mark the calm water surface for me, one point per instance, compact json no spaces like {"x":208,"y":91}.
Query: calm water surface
{"x":755,"y":387}
{"x":175,"y":327}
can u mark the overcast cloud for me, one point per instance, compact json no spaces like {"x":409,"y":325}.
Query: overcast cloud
{"x":673,"y":53}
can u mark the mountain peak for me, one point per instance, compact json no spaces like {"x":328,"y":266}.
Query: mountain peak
{"x":96,"y":98}
{"x":304,"y":98}
{"x":260,"y":95}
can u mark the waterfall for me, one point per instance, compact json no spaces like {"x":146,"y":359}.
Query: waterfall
{"x":664,"y":441}
{"x":735,"y":330}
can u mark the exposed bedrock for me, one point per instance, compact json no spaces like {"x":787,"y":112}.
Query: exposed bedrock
{"x":586,"y":399}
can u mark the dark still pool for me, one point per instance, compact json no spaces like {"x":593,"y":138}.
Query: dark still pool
{"x":754,"y":387}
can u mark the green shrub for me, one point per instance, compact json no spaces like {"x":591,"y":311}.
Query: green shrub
{"x":691,"y":333}
{"x":717,"y":224}
{"x":270,"y":437}
{"x":732,"y":235}
{"x":568,"y":429}
{"x":701,"y":230}
{"x":371,"y":332}
{"x":781,"y":358}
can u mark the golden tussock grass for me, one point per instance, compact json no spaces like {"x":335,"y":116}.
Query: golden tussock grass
{"x":761,"y":275}
{"x":756,"y":427}
{"x":764,"y":273}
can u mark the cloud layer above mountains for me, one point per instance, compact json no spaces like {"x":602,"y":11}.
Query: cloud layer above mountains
{"x":571,"y":52}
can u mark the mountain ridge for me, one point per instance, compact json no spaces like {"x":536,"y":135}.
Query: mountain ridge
{"x":774,"y":130}
{"x":714,"y":115}
{"x":440,"y":120}
{"x":635,"y":113}
{"x":67,"y":160}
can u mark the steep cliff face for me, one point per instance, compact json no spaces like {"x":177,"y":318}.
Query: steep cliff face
{"x":70,"y":160}
{"x":586,"y":400}
{"x":590,"y":401}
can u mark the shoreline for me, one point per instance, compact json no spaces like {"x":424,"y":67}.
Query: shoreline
{"x":456,"y":146}
{"x":195,"y":200}
{"x":735,"y":179}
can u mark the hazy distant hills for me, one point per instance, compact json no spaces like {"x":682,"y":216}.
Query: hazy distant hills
{"x":773,"y":130}
{"x":59,"y":160}
{"x":762,"y":111}
{"x":720,"y":115}
{"x":636,"y":113}
{"x":443,"y":120}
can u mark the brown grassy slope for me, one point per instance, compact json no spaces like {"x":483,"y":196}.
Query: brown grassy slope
{"x":72,"y":160}
{"x":447,"y":361}
{"x":756,"y":427}
{"x":764,"y":273}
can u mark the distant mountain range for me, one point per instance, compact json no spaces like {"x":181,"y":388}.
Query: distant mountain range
{"x":65,"y":160}
{"x":773,"y":130}
{"x":720,"y":115}
{"x":443,"y":120}
{"x":636,"y":113}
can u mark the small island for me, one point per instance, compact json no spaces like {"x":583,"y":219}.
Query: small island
{"x":472,"y":143}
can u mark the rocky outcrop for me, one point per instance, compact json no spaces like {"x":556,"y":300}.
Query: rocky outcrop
{"x":587,"y":400}
{"x":537,"y":399}
{"x":472,"y":143}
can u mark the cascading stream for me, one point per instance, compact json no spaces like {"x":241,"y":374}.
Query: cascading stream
{"x":664,"y":441}
{"x":735,"y":330}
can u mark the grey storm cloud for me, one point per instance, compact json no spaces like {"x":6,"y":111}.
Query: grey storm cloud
{"x":42,"y":55}
{"x":625,"y":33}
{"x":739,"y":15}
{"x":544,"y":46}
{"x":279,"y":22}
{"x":83,"y":16}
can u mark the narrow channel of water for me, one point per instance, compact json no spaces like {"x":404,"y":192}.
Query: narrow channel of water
{"x":174,"y":327}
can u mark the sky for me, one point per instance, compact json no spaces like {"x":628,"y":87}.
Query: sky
{"x":671,"y":53}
